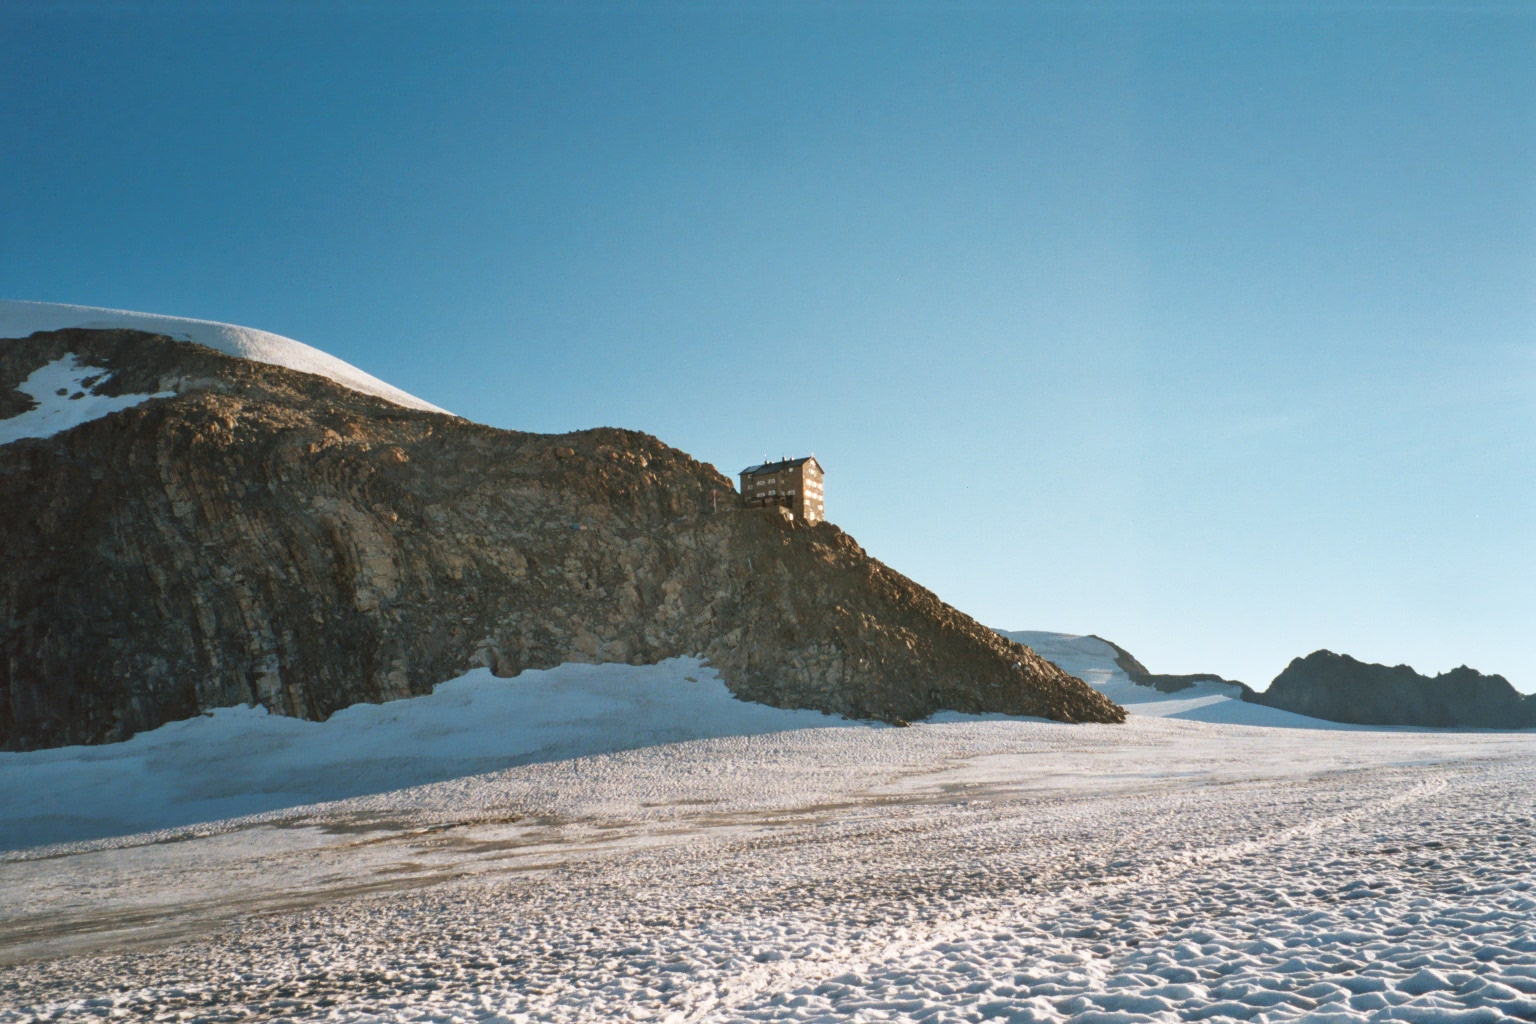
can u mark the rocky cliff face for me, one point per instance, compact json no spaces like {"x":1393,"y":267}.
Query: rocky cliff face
{"x":1340,"y":689}
{"x":265,"y":535}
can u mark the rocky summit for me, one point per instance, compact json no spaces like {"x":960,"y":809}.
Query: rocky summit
{"x":251,"y":533}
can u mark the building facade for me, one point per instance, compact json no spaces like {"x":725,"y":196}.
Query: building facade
{"x":794,"y":484}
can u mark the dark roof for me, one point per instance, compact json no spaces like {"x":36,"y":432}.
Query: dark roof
{"x":774,"y":467}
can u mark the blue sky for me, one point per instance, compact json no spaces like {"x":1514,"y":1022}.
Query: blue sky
{"x":1208,"y":328}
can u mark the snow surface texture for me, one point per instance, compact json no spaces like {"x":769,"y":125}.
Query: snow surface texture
{"x":1163,"y":870}
{"x":19,"y":319}
{"x":1093,"y":661}
{"x":241,"y":760}
{"x":65,"y":394}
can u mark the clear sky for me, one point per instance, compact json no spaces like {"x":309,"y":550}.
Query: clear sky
{"x":1208,"y":328}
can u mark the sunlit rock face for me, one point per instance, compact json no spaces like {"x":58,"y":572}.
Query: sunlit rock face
{"x":250,"y":533}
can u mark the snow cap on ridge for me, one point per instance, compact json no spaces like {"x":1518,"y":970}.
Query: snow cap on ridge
{"x":19,"y":319}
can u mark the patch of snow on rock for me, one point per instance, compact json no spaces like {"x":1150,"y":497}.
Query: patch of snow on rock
{"x":19,"y":319}
{"x":65,"y":400}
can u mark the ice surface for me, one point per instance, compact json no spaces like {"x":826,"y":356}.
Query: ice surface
{"x":964,"y":869}
{"x":1093,"y":661}
{"x":1163,"y":870}
{"x":64,"y":400}
{"x":19,"y":319}
{"x":241,"y":760}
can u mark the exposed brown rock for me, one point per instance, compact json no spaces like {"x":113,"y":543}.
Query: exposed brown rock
{"x":267,"y":535}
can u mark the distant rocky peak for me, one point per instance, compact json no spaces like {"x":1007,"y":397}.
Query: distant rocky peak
{"x":1342,"y":689}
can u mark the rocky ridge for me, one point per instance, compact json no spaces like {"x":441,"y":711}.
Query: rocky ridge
{"x":1163,"y":682}
{"x":267,"y":536}
{"x":1340,"y":689}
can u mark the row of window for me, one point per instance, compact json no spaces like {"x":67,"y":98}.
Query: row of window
{"x":810,"y":481}
{"x":809,"y":500}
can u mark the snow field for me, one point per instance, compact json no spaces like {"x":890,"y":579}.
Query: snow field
{"x":1162,"y":870}
{"x":19,"y":319}
{"x":242,"y":761}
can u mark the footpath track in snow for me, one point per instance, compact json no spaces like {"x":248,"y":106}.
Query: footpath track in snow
{"x":959,"y":872}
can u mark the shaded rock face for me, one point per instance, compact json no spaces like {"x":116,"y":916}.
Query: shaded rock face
{"x":1340,"y":689}
{"x":268,"y":536}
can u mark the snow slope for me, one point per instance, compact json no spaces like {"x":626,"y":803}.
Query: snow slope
{"x":1093,"y":661}
{"x":19,"y":319}
{"x":241,"y":760}
{"x":64,"y":400}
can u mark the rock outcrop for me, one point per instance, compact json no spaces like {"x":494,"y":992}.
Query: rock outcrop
{"x":1163,"y":682}
{"x":266,"y":535}
{"x":1338,"y":688}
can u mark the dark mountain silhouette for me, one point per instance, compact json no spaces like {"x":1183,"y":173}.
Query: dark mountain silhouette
{"x":1340,"y":689}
